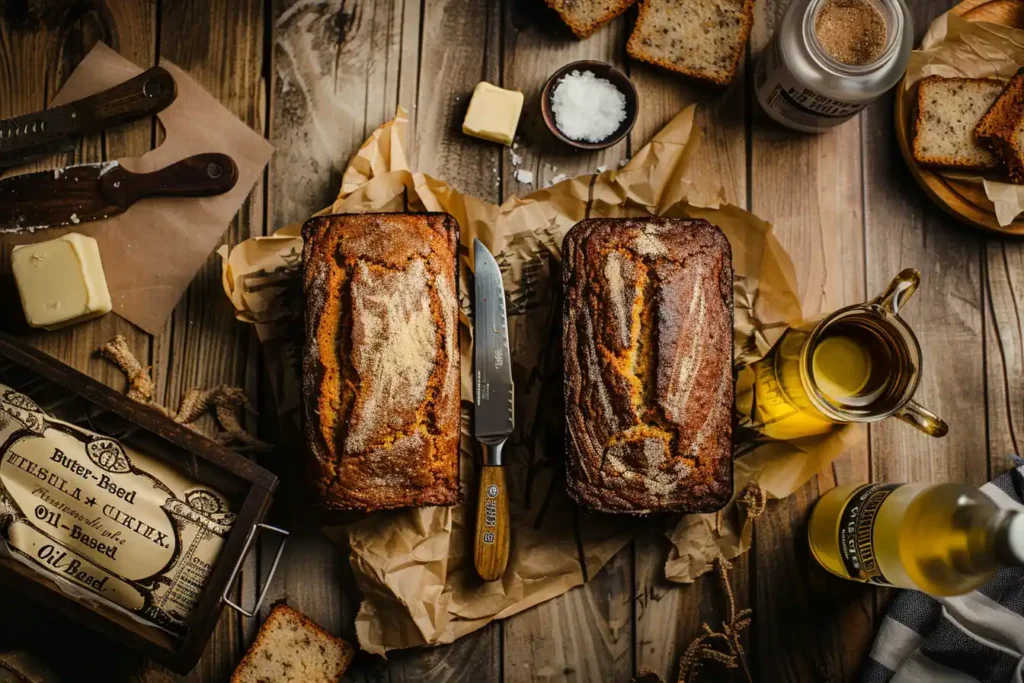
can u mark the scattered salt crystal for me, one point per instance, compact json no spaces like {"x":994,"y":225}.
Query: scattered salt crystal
{"x":516,"y":159}
{"x":74,"y":219}
{"x":602,"y":169}
{"x":523,"y":176}
{"x":57,"y":173}
{"x":558,"y":178}
{"x":515,"y":145}
{"x":623,"y":162}
{"x":586,"y":107}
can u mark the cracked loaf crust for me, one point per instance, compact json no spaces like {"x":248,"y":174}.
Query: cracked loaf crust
{"x":380,"y":366}
{"x":648,"y":323}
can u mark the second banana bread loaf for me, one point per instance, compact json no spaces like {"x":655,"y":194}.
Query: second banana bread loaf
{"x":647,"y":339}
{"x":380,"y":367}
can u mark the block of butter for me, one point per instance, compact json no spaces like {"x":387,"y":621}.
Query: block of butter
{"x":60,"y":281}
{"x":493,"y":113}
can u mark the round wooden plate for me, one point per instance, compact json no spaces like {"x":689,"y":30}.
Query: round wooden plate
{"x":966,"y":201}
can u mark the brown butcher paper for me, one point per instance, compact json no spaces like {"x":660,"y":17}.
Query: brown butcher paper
{"x":414,"y":566}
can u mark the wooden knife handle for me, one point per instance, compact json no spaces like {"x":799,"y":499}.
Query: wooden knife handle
{"x":202,"y":175}
{"x":490,"y":551}
{"x":148,"y":93}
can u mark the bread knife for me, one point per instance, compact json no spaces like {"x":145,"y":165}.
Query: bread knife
{"x":493,"y":417}
{"x":32,"y":136}
{"x":88,"y":192}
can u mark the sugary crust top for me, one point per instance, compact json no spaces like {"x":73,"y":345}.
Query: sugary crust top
{"x":649,"y":388}
{"x":380,"y":374}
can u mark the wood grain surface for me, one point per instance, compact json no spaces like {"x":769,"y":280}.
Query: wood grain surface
{"x":316,"y":77}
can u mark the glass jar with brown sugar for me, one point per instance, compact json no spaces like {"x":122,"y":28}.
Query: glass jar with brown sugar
{"x":830,"y":58}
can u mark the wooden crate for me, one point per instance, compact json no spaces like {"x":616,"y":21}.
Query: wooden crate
{"x":68,"y":395}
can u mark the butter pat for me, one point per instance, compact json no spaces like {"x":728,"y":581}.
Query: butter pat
{"x":493,"y":113}
{"x":60,"y":281}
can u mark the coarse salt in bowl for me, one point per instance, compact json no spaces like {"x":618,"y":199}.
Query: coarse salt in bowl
{"x":587,"y":108}
{"x":589,"y":104}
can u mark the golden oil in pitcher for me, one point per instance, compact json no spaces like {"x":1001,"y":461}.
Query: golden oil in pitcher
{"x":943,"y":539}
{"x":859,"y":364}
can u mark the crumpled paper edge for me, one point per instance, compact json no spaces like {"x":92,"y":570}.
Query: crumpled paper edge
{"x":435,"y":615}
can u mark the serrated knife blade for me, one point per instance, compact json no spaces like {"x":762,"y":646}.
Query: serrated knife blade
{"x":493,"y":390}
{"x":493,"y":415}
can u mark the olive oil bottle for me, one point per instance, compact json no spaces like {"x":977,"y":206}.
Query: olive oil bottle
{"x":943,"y":539}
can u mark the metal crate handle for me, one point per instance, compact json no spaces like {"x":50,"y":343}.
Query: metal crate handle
{"x":238,"y":566}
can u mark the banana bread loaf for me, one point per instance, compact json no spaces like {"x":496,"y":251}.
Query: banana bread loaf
{"x":647,"y":340}
{"x":380,"y":367}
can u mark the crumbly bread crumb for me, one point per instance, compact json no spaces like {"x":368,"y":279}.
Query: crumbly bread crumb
{"x":702,"y":39}
{"x":290,"y":648}
{"x":948,"y":109}
{"x":586,"y":16}
{"x":1001,"y":129}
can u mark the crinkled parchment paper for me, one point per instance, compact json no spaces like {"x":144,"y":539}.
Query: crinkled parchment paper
{"x":414,"y":566}
{"x":145,"y":285}
{"x":955,"y":47}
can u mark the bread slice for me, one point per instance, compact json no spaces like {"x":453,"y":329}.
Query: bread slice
{"x":702,"y":39}
{"x":948,"y":109}
{"x":1001,"y":129}
{"x":290,"y":648}
{"x":586,"y":16}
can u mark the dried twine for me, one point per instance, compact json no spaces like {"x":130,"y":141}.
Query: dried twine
{"x":723,"y":647}
{"x":224,"y":401}
{"x":702,"y":649}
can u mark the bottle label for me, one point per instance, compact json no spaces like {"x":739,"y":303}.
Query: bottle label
{"x":786,"y":99}
{"x":856,"y":532}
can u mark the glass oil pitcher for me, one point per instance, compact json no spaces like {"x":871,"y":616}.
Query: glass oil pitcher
{"x":861,"y":363}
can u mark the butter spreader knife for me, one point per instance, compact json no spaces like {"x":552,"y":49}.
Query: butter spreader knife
{"x":88,"y":192}
{"x":493,"y":417}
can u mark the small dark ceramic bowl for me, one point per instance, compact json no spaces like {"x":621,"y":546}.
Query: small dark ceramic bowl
{"x":600,"y":70}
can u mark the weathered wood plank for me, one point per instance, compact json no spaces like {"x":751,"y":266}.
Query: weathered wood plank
{"x":338,"y":70}
{"x":586,"y":634}
{"x":38,"y":51}
{"x":810,"y":188}
{"x":669,"y":615}
{"x":221,"y":46}
{"x":536,"y":44}
{"x":1004,"y":350}
{"x":903,"y":229}
{"x":459,"y":47}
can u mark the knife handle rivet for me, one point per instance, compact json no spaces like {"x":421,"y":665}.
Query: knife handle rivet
{"x":214,"y":170}
{"x":152,"y":88}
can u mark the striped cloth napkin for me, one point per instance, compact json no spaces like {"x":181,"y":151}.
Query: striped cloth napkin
{"x":966,"y":639}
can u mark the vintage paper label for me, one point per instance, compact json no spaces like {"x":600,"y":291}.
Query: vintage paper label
{"x":105,"y":517}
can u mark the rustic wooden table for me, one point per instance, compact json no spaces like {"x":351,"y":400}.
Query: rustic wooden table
{"x":316,"y":76}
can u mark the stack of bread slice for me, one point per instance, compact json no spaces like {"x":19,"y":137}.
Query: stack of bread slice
{"x":971,"y":124}
{"x":702,"y":39}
